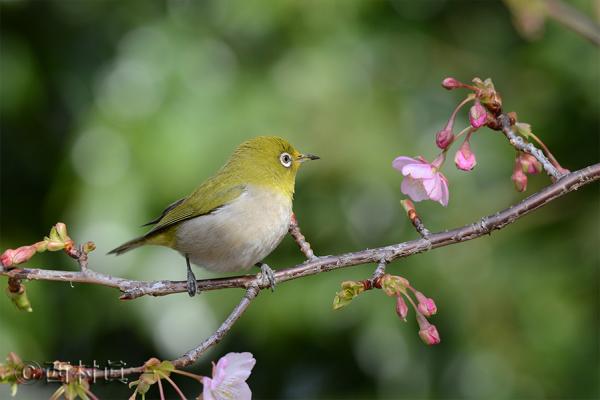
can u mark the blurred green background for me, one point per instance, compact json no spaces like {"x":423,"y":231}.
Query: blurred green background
{"x":111,"y":110}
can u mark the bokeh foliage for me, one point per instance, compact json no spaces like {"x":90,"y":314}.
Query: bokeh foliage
{"x":111,"y":110}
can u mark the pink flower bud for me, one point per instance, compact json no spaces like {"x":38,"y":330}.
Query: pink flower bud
{"x":18,"y":256}
{"x":451,"y":83}
{"x":465,"y":158}
{"x":426,"y":305}
{"x":444,"y":138}
{"x":7,"y":257}
{"x":519,"y":178}
{"x":430,"y":335}
{"x":477,"y":115}
{"x":23,"y":254}
{"x":401,"y":308}
{"x":529,"y":164}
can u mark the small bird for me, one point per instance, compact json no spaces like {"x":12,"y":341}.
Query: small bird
{"x":237,"y":217}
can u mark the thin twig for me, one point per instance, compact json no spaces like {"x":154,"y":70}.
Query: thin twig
{"x":305,"y":248}
{"x":519,"y":143}
{"x":415,"y":219}
{"x":574,"y":20}
{"x":192,"y":355}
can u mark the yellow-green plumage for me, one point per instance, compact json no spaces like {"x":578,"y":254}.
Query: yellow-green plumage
{"x":238,"y":216}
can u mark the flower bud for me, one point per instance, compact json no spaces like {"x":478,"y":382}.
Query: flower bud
{"x":88,"y":247}
{"x":61,"y":229}
{"x":18,"y":256}
{"x":23,"y":254}
{"x":41,"y":246}
{"x":426,"y":305}
{"x":477,"y":115}
{"x":401,"y":308}
{"x":523,"y":129}
{"x":444,"y":138}
{"x":494,"y":102}
{"x":20,"y":299}
{"x":529,"y":164}
{"x":451,"y":83}
{"x":350,"y":289}
{"x":430,"y":335}
{"x":519,"y":178}
{"x":54,"y":245}
{"x":393,"y":285}
{"x":465,"y":158}
{"x":7,"y":257}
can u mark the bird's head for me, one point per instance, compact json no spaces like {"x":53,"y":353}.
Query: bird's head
{"x":269,"y":161}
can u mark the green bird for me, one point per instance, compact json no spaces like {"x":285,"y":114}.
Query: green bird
{"x":237,"y":217}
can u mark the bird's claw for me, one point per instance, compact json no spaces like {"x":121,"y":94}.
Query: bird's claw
{"x":267,"y":276}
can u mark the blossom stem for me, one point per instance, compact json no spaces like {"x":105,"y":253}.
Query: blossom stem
{"x":546,"y":151}
{"x":460,"y":105}
{"x":414,"y":306}
{"x":469,"y":130}
{"x":160,"y":389}
{"x":177,"y":389}
{"x":89,"y":393}
{"x":189,"y":375}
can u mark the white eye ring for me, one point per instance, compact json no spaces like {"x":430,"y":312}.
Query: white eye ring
{"x":285,"y":159}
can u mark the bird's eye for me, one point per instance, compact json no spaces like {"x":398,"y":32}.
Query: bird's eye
{"x":285,"y":159}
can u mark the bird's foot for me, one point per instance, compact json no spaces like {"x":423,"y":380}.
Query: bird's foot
{"x":192,"y":287}
{"x":267,"y":276}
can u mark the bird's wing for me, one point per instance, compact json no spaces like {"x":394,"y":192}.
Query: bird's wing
{"x":164,"y":212}
{"x":204,"y":201}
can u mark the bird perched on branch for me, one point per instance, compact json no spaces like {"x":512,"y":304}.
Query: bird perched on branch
{"x":236,"y":218}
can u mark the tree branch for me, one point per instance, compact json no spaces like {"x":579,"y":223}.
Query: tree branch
{"x":253,"y":285}
{"x":132,"y":289}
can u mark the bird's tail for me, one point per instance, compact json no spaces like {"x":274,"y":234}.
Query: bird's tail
{"x":132,"y":244}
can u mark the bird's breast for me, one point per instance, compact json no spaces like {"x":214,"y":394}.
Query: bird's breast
{"x":239,"y":234}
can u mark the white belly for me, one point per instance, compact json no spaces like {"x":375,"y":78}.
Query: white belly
{"x":238,"y":235}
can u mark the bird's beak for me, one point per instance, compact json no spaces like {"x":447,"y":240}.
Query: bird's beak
{"x":306,"y":157}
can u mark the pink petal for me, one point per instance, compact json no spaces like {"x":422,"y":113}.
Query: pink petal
{"x":206,"y":390}
{"x":414,"y":189}
{"x":400,"y":162}
{"x":445,"y":192}
{"x":437,"y":188}
{"x":243,"y":392}
{"x":433,"y":188}
{"x":239,"y":366}
{"x":238,"y":390}
{"x":418,"y":171}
